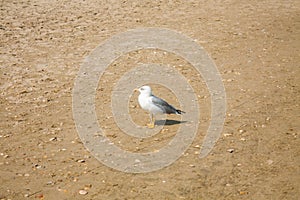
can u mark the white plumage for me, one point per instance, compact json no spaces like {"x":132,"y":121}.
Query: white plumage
{"x":154,"y":105}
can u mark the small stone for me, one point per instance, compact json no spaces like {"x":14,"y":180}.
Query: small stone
{"x":37,"y":166}
{"x":83,"y":192}
{"x":197,"y":146}
{"x":243,"y":192}
{"x":241,"y":131}
{"x":80,"y":161}
{"x":164,"y":130}
{"x":26,"y":175}
{"x":50,"y":183}
{"x":39,"y":196}
{"x":87,"y":186}
{"x":196,"y":152}
{"x":269,"y":162}
{"x":243,"y":139}
{"x":230,"y":150}
{"x":53,"y":139}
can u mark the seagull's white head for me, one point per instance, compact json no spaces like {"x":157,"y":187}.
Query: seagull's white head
{"x":145,"y":90}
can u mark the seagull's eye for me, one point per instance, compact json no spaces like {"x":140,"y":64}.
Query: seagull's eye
{"x":142,"y":88}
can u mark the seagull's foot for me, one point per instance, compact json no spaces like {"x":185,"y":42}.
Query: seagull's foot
{"x":151,"y":125}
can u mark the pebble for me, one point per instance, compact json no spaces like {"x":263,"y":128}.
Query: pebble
{"x":241,"y":131}
{"x":164,"y":130}
{"x":83,"y":192}
{"x":87,"y":186}
{"x":230,"y":150}
{"x":53,"y":139}
{"x":50,"y":183}
{"x":270,"y":162}
{"x":243,"y":192}
{"x":39,"y":196}
{"x":37,"y":166}
{"x":227,"y":134}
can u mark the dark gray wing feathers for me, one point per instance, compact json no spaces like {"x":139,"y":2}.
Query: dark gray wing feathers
{"x":167,"y":108}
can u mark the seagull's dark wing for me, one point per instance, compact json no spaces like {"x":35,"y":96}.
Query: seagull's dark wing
{"x":167,"y":108}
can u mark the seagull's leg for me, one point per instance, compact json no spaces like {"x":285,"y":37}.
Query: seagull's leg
{"x":152,"y":120}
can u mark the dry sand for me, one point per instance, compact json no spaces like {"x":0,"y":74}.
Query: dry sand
{"x":255,"y":45}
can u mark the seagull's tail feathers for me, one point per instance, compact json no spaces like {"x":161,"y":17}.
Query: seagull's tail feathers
{"x":179,"y":112}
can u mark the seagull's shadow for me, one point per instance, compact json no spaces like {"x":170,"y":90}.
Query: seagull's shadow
{"x":168,"y":122}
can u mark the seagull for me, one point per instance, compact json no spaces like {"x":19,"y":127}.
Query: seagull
{"x":154,"y":105}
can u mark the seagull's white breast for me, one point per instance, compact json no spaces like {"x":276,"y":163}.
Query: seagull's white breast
{"x":146,"y":103}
